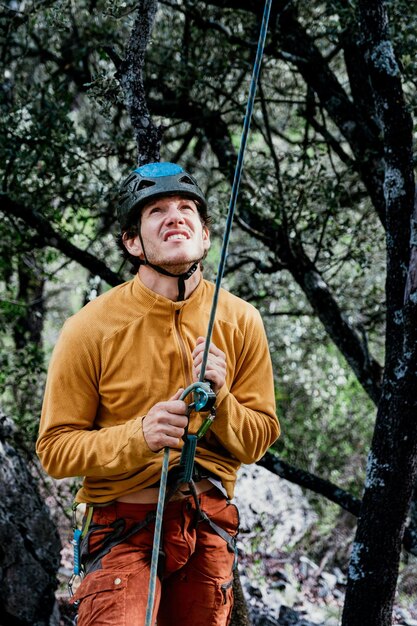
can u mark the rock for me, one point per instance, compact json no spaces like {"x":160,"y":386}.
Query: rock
{"x":289,"y":617}
{"x":307,"y":567}
{"x":404,"y":616}
{"x":275,"y":515}
{"x":272,"y":509}
{"x":30,"y":545}
{"x":341,"y":578}
{"x":329,"y":579}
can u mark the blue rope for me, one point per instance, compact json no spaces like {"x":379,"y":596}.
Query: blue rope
{"x":220,"y":272}
{"x":236,"y":180}
{"x":157,"y":539}
{"x":158,"y":524}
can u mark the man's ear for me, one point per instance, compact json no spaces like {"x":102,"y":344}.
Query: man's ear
{"x":206,"y":238}
{"x":133,"y":245}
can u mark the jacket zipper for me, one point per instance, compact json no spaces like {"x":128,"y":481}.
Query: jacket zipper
{"x":188,"y":377}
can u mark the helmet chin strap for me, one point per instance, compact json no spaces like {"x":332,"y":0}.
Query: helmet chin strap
{"x":181,"y":277}
{"x":161,"y":270}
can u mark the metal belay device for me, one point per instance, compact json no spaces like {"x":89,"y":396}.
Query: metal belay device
{"x":204,"y":400}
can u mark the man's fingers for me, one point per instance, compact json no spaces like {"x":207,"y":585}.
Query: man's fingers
{"x":172,"y":442}
{"x":174,"y":407}
{"x":177,"y":395}
{"x":214,"y":351}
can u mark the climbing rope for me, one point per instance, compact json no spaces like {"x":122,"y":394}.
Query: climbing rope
{"x":203,"y":396}
{"x":202,"y":389}
{"x":236,"y":179}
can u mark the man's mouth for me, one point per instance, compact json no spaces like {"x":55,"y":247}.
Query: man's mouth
{"x":176,"y":236}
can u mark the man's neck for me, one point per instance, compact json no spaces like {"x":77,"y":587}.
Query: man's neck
{"x":167,"y":286}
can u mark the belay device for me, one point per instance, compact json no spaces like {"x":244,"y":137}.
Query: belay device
{"x":204,"y":400}
{"x":204,"y":397}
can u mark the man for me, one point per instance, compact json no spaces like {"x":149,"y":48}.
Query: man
{"x":112,"y":404}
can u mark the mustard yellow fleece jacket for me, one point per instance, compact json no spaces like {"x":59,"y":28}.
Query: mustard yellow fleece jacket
{"x":131,"y":348}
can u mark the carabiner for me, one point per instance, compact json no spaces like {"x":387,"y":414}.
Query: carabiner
{"x":204,"y":396}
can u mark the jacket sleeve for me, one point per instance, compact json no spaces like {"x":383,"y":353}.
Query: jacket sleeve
{"x":246,"y":423}
{"x":69,"y":441}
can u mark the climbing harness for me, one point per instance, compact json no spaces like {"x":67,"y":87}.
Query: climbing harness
{"x":201,"y":388}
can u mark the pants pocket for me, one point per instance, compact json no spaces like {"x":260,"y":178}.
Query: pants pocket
{"x":102,"y":599}
{"x":188,"y":602}
{"x":227,"y":591}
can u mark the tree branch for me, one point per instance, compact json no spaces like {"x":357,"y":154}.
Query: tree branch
{"x":130,"y":74}
{"x":312,"y":482}
{"x":325,"y":488}
{"x":291,"y":41}
{"x":50,"y":237}
{"x":288,"y":251}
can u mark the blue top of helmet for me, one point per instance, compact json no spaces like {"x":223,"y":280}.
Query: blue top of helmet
{"x":154,"y":170}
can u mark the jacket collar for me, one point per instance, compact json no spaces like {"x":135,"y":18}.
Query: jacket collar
{"x":150,"y":299}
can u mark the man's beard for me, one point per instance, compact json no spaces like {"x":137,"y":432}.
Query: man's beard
{"x":174,"y":266}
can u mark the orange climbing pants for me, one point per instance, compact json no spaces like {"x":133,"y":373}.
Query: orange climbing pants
{"x":195,"y":586}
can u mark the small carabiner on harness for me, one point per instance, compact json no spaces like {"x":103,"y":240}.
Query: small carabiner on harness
{"x":76,"y":551}
{"x":77,"y":535}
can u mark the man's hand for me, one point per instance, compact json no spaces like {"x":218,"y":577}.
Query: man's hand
{"x":164,"y":424}
{"x":216,"y":364}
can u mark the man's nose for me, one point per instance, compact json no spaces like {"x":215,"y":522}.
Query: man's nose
{"x":174,"y":215}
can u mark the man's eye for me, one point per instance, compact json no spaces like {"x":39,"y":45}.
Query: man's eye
{"x":187,"y":208}
{"x":155,"y":209}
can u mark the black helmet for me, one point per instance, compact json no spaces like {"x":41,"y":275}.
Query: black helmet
{"x":155,"y":180}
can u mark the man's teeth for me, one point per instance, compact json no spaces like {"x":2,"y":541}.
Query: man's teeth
{"x":171,"y":237}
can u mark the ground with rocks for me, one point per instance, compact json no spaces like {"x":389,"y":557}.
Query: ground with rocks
{"x":282,"y":585}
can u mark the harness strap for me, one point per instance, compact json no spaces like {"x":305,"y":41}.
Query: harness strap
{"x":229,"y":539}
{"x":203,"y":517}
{"x":91,"y":560}
{"x":89,"y":517}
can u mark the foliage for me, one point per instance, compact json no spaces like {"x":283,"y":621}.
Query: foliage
{"x":66,"y":140}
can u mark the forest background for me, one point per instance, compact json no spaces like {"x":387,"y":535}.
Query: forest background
{"x":325,"y":237}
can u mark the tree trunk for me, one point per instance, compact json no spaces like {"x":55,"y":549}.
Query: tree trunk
{"x":392,"y":462}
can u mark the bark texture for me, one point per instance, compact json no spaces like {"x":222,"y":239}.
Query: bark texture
{"x":392,"y":462}
{"x":130,"y":73}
